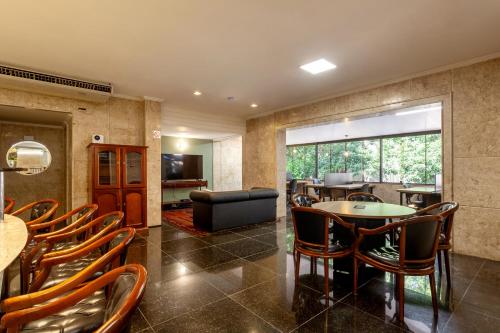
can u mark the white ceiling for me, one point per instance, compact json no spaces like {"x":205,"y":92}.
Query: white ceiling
{"x":408,"y":120}
{"x":247,"y":49}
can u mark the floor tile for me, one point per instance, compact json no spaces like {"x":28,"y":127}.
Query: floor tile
{"x":222,"y":316}
{"x":253,"y":230}
{"x":221,"y":237}
{"x":139,"y":323}
{"x":344,"y":318}
{"x":467,"y":320}
{"x":489,"y":273}
{"x":245,"y":247}
{"x":204,"y":258}
{"x":164,"y":300}
{"x":484,"y":298}
{"x":236,"y":275}
{"x":378,"y":299}
{"x":283,"y":304}
{"x":182,"y":245}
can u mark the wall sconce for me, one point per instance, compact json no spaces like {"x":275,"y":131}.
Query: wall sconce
{"x":181,"y":144}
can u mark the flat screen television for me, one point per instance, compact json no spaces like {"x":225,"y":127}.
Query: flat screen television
{"x":181,"y":166}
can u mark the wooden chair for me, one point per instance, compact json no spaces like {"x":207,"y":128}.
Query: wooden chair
{"x":447,"y":212}
{"x":313,"y":239}
{"x":104,"y":305}
{"x":415,"y":255}
{"x":56,"y":268}
{"x":64,"y":243}
{"x":40,"y":211}
{"x":303,"y":200}
{"x":65,"y":223}
{"x":292,"y":188}
{"x":9,"y":204}
{"x":364,"y":196}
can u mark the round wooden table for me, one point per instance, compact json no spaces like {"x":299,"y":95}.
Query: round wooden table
{"x":365,"y":210}
{"x":13,"y":238}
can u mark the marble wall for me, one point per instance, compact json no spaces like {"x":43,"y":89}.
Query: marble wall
{"x":227,"y":164}
{"x":471,"y":159}
{"x":121,"y":121}
{"x":49,"y":184}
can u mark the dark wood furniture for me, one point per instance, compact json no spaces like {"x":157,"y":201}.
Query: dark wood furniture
{"x":364,"y":196}
{"x":39,"y":211}
{"x":104,"y":305}
{"x":119,"y":180}
{"x":313,"y":239}
{"x":337,"y":191}
{"x":415,"y":255}
{"x":446,"y":210}
{"x":64,"y":243}
{"x":175,"y":184}
{"x":9,"y":204}
{"x":429,"y":194}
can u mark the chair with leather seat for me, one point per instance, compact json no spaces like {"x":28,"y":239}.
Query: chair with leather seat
{"x":64,"y":243}
{"x":57,"y":267}
{"x":292,"y":188}
{"x":415,"y":254}
{"x":364,"y":196}
{"x":64,"y":223}
{"x":39,"y":211}
{"x":303,"y":200}
{"x":365,"y":188}
{"x":447,"y":211}
{"x":314,"y":239}
{"x":8,"y":205}
{"x":104,"y":305}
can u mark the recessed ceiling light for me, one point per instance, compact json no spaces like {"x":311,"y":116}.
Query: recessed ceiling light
{"x":197,"y":93}
{"x":318,"y":66}
{"x":253,"y":105}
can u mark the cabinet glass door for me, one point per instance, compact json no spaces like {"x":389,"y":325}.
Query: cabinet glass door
{"x":134,"y":164}
{"x":107,"y":168}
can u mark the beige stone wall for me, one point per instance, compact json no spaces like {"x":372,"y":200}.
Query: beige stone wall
{"x":121,"y":121}
{"x":152,"y":139}
{"x":227,"y":164}
{"x":471,"y":160}
{"x":49,"y":184}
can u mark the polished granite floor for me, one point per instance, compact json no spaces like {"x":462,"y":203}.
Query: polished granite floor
{"x":242,"y":280}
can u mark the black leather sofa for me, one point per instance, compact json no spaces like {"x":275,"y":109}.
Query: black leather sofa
{"x":214,"y":211}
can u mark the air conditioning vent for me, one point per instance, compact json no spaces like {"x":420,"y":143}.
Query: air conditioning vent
{"x":54,"y":85}
{"x":25,"y":74}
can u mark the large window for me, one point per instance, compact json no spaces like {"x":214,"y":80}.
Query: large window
{"x":394,"y":159}
{"x":301,"y":161}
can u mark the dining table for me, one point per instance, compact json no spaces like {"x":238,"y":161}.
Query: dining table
{"x":363,"y":214}
{"x":346,"y":188}
{"x":13,"y":238}
{"x":429,"y":194}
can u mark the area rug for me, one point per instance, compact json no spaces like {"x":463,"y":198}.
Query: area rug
{"x":183,"y":219}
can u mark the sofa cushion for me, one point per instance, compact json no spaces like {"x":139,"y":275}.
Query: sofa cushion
{"x":262,"y":193}
{"x":219,"y":197}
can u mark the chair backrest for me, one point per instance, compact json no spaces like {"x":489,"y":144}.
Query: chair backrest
{"x":40,"y":211}
{"x":303,"y":200}
{"x":447,"y":211}
{"x":365,"y":188}
{"x":312,"y":227}
{"x":419,"y":238}
{"x":8,"y":205}
{"x":293,"y":186}
{"x":114,"y":244}
{"x":316,"y":181}
{"x":364,"y":196}
{"x":126,"y":293}
{"x":77,"y":309}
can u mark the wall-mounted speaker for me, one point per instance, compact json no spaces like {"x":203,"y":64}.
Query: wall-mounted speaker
{"x":97,"y":138}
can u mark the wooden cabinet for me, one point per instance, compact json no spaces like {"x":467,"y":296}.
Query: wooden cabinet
{"x":118,"y":181}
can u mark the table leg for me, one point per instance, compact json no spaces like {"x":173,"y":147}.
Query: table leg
{"x":401,"y":198}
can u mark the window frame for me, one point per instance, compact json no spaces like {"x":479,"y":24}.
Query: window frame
{"x":381,"y":150}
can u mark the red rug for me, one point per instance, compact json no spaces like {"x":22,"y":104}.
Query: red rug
{"x":183,"y":219}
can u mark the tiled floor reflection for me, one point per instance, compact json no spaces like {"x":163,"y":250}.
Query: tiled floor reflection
{"x":242,"y":280}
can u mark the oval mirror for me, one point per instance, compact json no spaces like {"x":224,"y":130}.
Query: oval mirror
{"x":30,"y":155}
